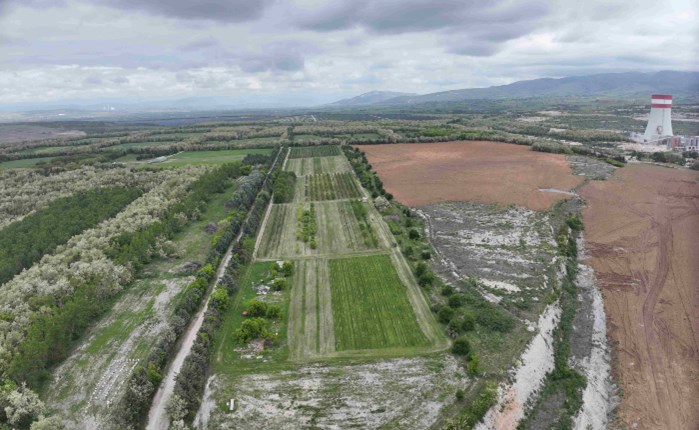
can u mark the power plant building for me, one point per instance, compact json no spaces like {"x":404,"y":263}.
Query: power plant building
{"x":660,"y":121}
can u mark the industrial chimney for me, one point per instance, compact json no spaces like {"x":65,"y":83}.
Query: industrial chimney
{"x":659,"y":123}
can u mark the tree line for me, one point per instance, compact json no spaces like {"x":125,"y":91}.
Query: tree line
{"x":24,"y":242}
{"x":145,"y":379}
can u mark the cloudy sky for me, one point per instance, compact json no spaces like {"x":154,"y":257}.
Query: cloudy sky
{"x":311,"y":51}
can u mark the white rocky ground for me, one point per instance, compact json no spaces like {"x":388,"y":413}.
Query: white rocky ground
{"x":396,"y":393}
{"x":599,"y":398}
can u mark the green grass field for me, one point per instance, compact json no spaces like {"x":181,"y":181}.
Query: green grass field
{"x":26,"y":162}
{"x":210,"y":157}
{"x":311,"y":332}
{"x":370,"y":305}
{"x":315,"y":151}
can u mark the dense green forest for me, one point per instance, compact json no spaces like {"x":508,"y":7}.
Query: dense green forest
{"x":24,"y":242}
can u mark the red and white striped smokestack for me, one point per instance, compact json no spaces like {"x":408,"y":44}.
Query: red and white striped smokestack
{"x":659,"y":122}
{"x":661,"y":101}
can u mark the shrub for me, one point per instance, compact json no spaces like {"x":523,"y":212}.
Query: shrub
{"x":445,"y":315}
{"x":613,"y":162}
{"x":494,"y":319}
{"x":207,"y":272}
{"x":288,"y":268}
{"x":257,"y":308}
{"x":279,"y":284}
{"x":474,"y":367}
{"x":455,"y":301}
{"x":461,"y":347}
{"x":667,"y":157}
{"x":460,"y":394}
{"x":574,"y":222}
{"x":447,"y":290}
{"x":426,"y":255}
{"x":467,"y":322}
{"x":219,"y":299}
{"x":250,"y":329}
{"x":420,"y":269}
{"x":454,"y":327}
{"x":425,"y":280}
{"x":413,"y":234}
{"x":273,"y":312}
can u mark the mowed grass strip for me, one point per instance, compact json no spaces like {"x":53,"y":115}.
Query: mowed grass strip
{"x":274,"y":230}
{"x":317,"y":165}
{"x":315,"y":151}
{"x":210,"y":157}
{"x":370,"y":305}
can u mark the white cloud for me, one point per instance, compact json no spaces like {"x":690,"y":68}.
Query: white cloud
{"x":156,"y":49}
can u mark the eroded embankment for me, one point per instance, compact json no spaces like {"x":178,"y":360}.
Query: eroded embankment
{"x":536,"y":362}
{"x":590,"y":352}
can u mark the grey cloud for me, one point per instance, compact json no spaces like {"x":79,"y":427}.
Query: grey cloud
{"x":276,"y":61}
{"x":92,"y":80}
{"x":400,"y":16}
{"x":478,"y":27}
{"x":6,"y":4}
{"x":485,"y":40}
{"x":200,"y":44}
{"x":214,"y":10}
{"x":120,"y":80}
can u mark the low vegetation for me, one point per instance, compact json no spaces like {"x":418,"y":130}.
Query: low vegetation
{"x":331,"y":187}
{"x":360,"y":212}
{"x":383,"y":318}
{"x":306,"y":229}
{"x":564,"y":381}
{"x":314,"y":151}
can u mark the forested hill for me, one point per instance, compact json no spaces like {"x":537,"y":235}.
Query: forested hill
{"x":632,"y":85}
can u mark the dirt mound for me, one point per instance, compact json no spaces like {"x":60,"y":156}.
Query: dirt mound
{"x":642,"y":226}
{"x":486,"y":172}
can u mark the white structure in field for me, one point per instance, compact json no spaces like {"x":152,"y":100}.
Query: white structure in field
{"x":659,"y":124}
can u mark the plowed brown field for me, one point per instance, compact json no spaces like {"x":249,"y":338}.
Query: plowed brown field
{"x":486,"y":172}
{"x":642,"y":232}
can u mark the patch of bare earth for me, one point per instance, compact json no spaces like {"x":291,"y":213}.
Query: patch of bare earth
{"x":642,"y":232}
{"x":485,"y":172}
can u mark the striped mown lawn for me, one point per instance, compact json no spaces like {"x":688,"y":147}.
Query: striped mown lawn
{"x":370,"y":305}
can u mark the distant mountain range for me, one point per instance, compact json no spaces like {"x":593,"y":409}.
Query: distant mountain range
{"x":370,"y":98}
{"x":630,"y":85}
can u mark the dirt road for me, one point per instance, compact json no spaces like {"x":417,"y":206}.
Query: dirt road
{"x":484,"y":172}
{"x":157,"y":416}
{"x":642,"y":230}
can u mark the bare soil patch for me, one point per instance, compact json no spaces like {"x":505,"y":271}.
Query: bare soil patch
{"x":485,"y":172}
{"x":641,"y":227}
